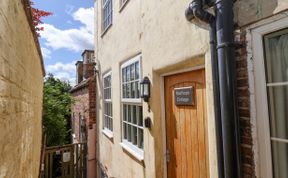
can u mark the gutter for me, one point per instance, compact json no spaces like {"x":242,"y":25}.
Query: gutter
{"x":224,"y":85}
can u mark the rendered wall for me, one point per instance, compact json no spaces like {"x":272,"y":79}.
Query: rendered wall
{"x":159,"y":31}
{"x":21,"y":86}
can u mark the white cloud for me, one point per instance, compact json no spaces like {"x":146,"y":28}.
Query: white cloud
{"x":86,"y":17}
{"x":59,"y":66}
{"x":46,"y":53}
{"x":63,"y":71}
{"x":74,"y":39}
{"x":71,"y":39}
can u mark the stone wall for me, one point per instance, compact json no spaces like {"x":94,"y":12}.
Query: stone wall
{"x":251,"y":11}
{"x":21,"y":87}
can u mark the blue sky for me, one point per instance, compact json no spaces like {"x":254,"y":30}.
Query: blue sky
{"x":66,"y":34}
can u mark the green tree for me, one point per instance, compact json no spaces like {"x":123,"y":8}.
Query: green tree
{"x":56,"y":111}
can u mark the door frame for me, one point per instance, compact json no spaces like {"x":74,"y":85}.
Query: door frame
{"x":163,"y":116}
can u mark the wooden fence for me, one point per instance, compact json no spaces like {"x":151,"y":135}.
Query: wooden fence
{"x":68,"y":161}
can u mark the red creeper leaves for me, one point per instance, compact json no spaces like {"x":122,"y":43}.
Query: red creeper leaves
{"x":37,"y":15}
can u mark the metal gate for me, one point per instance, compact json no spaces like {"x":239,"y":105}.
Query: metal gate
{"x":68,"y":161}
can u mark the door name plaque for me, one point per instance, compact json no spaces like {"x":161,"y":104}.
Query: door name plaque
{"x":184,"y":96}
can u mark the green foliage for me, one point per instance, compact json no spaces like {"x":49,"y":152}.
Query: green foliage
{"x":56,"y":110}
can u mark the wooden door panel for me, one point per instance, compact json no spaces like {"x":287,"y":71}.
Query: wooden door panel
{"x":186,"y":130}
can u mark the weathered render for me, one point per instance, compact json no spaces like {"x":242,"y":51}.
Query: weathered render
{"x":168,"y":44}
{"x":159,"y":32}
{"x":21,"y":86}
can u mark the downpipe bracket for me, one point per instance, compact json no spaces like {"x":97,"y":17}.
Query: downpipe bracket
{"x":236,"y":45}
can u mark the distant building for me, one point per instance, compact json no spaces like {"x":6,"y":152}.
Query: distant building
{"x":83,"y":117}
{"x":21,"y":91}
{"x":151,"y":38}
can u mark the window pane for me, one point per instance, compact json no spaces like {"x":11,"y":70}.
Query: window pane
{"x":140,"y":121}
{"x":134,"y":118}
{"x":140,"y":140}
{"x":129,"y":133}
{"x":137,"y":70}
{"x":108,"y":81}
{"x":276,"y":53}
{"x":129,"y":113}
{"x":105,"y":95}
{"x":278,"y":110}
{"x":280,"y":159}
{"x":132,"y":90}
{"x":123,"y":91}
{"x":135,"y":135}
{"x":109,"y":109}
{"x":125,"y":112}
{"x":111,"y":112}
{"x":128,"y":95}
{"x":125,"y":130}
{"x":128,"y":73}
{"x":105,"y":122}
{"x":109,"y":91}
{"x":111,"y":126}
{"x":132,"y":70}
{"x":137,"y":90}
{"x":123,"y":75}
{"x":105,"y":108}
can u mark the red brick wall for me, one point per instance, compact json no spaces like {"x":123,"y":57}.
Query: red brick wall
{"x":81,"y":105}
{"x":92,"y":101}
{"x":248,"y":168}
{"x":85,"y":103}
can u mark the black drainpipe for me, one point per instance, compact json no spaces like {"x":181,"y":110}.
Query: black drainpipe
{"x":195,"y":10}
{"x":227,"y":83}
{"x":223,"y":71}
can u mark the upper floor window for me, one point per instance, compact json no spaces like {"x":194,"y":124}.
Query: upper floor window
{"x":108,"y":122}
{"x":132,"y":122}
{"x":106,"y":14}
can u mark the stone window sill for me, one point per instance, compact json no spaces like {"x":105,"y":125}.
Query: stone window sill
{"x":107,"y":133}
{"x":133,"y":150}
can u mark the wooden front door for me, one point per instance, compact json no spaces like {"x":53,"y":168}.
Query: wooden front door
{"x":186,"y":127}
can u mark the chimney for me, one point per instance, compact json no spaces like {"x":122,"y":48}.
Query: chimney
{"x":88,"y":63}
{"x":79,"y":72}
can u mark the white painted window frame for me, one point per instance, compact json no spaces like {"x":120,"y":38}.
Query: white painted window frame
{"x":104,"y":5}
{"x":107,"y":131}
{"x":262,"y":110}
{"x":125,"y":144}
